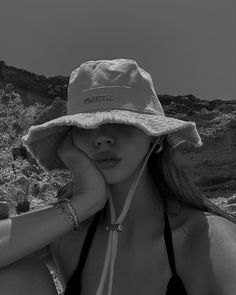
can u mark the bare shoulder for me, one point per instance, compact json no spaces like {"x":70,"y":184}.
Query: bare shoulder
{"x":212,"y":248}
{"x":222,"y":235}
{"x":219,"y":232}
{"x":221,"y":225}
{"x":195,"y":220}
{"x":223,"y":253}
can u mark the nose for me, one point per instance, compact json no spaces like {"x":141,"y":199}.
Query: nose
{"x":104,"y":141}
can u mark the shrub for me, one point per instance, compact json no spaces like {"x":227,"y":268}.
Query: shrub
{"x":4,"y":210}
{"x":22,"y":207}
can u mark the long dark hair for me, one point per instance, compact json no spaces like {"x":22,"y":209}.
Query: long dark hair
{"x":173,"y":182}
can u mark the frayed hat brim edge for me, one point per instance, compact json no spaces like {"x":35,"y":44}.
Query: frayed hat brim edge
{"x":144,"y":122}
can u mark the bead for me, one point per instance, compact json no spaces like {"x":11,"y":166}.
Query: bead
{"x":114,"y":227}
{"x":65,"y":206}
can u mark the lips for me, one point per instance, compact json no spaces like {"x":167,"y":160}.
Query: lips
{"x":107,"y":164}
{"x":106,"y":160}
{"x":106,"y":157}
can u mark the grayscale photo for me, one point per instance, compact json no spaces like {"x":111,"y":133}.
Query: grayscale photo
{"x":118,"y":147}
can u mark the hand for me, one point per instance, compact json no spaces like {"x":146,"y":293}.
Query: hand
{"x":88,"y":183}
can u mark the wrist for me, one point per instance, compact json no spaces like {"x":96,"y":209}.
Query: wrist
{"x":82,"y":207}
{"x":78,"y":206}
{"x":64,"y":206}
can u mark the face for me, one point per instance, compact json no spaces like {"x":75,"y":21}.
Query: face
{"x":127,"y":145}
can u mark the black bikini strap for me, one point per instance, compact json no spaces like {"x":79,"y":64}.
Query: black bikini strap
{"x":88,"y":241}
{"x":75,"y":280}
{"x":169,"y":244}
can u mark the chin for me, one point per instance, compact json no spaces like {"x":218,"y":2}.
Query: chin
{"x":116,"y":177}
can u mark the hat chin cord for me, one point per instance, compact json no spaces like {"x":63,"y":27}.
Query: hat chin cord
{"x":116,"y":226}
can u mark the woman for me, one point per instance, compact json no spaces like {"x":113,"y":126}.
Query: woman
{"x":140,"y":226}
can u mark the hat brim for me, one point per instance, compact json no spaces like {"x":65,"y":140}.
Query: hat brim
{"x":43,"y":140}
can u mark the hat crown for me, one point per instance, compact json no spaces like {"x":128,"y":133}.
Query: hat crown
{"x":116,"y":72}
{"x":112,"y":84}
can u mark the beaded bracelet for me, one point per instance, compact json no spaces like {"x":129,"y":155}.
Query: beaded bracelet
{"x":65,"y":206}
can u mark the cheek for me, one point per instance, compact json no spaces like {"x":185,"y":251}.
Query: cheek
{"x":142,"y":146}
{"x":137,"y":152}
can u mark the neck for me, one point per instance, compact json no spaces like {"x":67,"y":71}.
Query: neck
{"x":145,"y":211}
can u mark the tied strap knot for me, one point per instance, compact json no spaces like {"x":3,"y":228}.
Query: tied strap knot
{"x":118,"y":227}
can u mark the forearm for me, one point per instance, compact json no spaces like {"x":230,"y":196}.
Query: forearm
{"x":22,"y":235}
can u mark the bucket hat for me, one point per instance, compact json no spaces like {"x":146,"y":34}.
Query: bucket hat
{"x":107,"y":91}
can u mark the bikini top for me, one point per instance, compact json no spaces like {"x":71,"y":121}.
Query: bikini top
{"x":175,"y":285}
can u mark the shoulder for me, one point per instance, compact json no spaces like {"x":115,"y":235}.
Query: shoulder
{"x":222,"y":235}
{"x":197,"y":221}
{"x":215,"y":247}
{"x":221,"y":227}
{"x":219,"y":232}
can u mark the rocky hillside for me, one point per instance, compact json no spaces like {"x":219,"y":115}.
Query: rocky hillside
{"x":27,"y":99}
{"x":34,"y":88}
